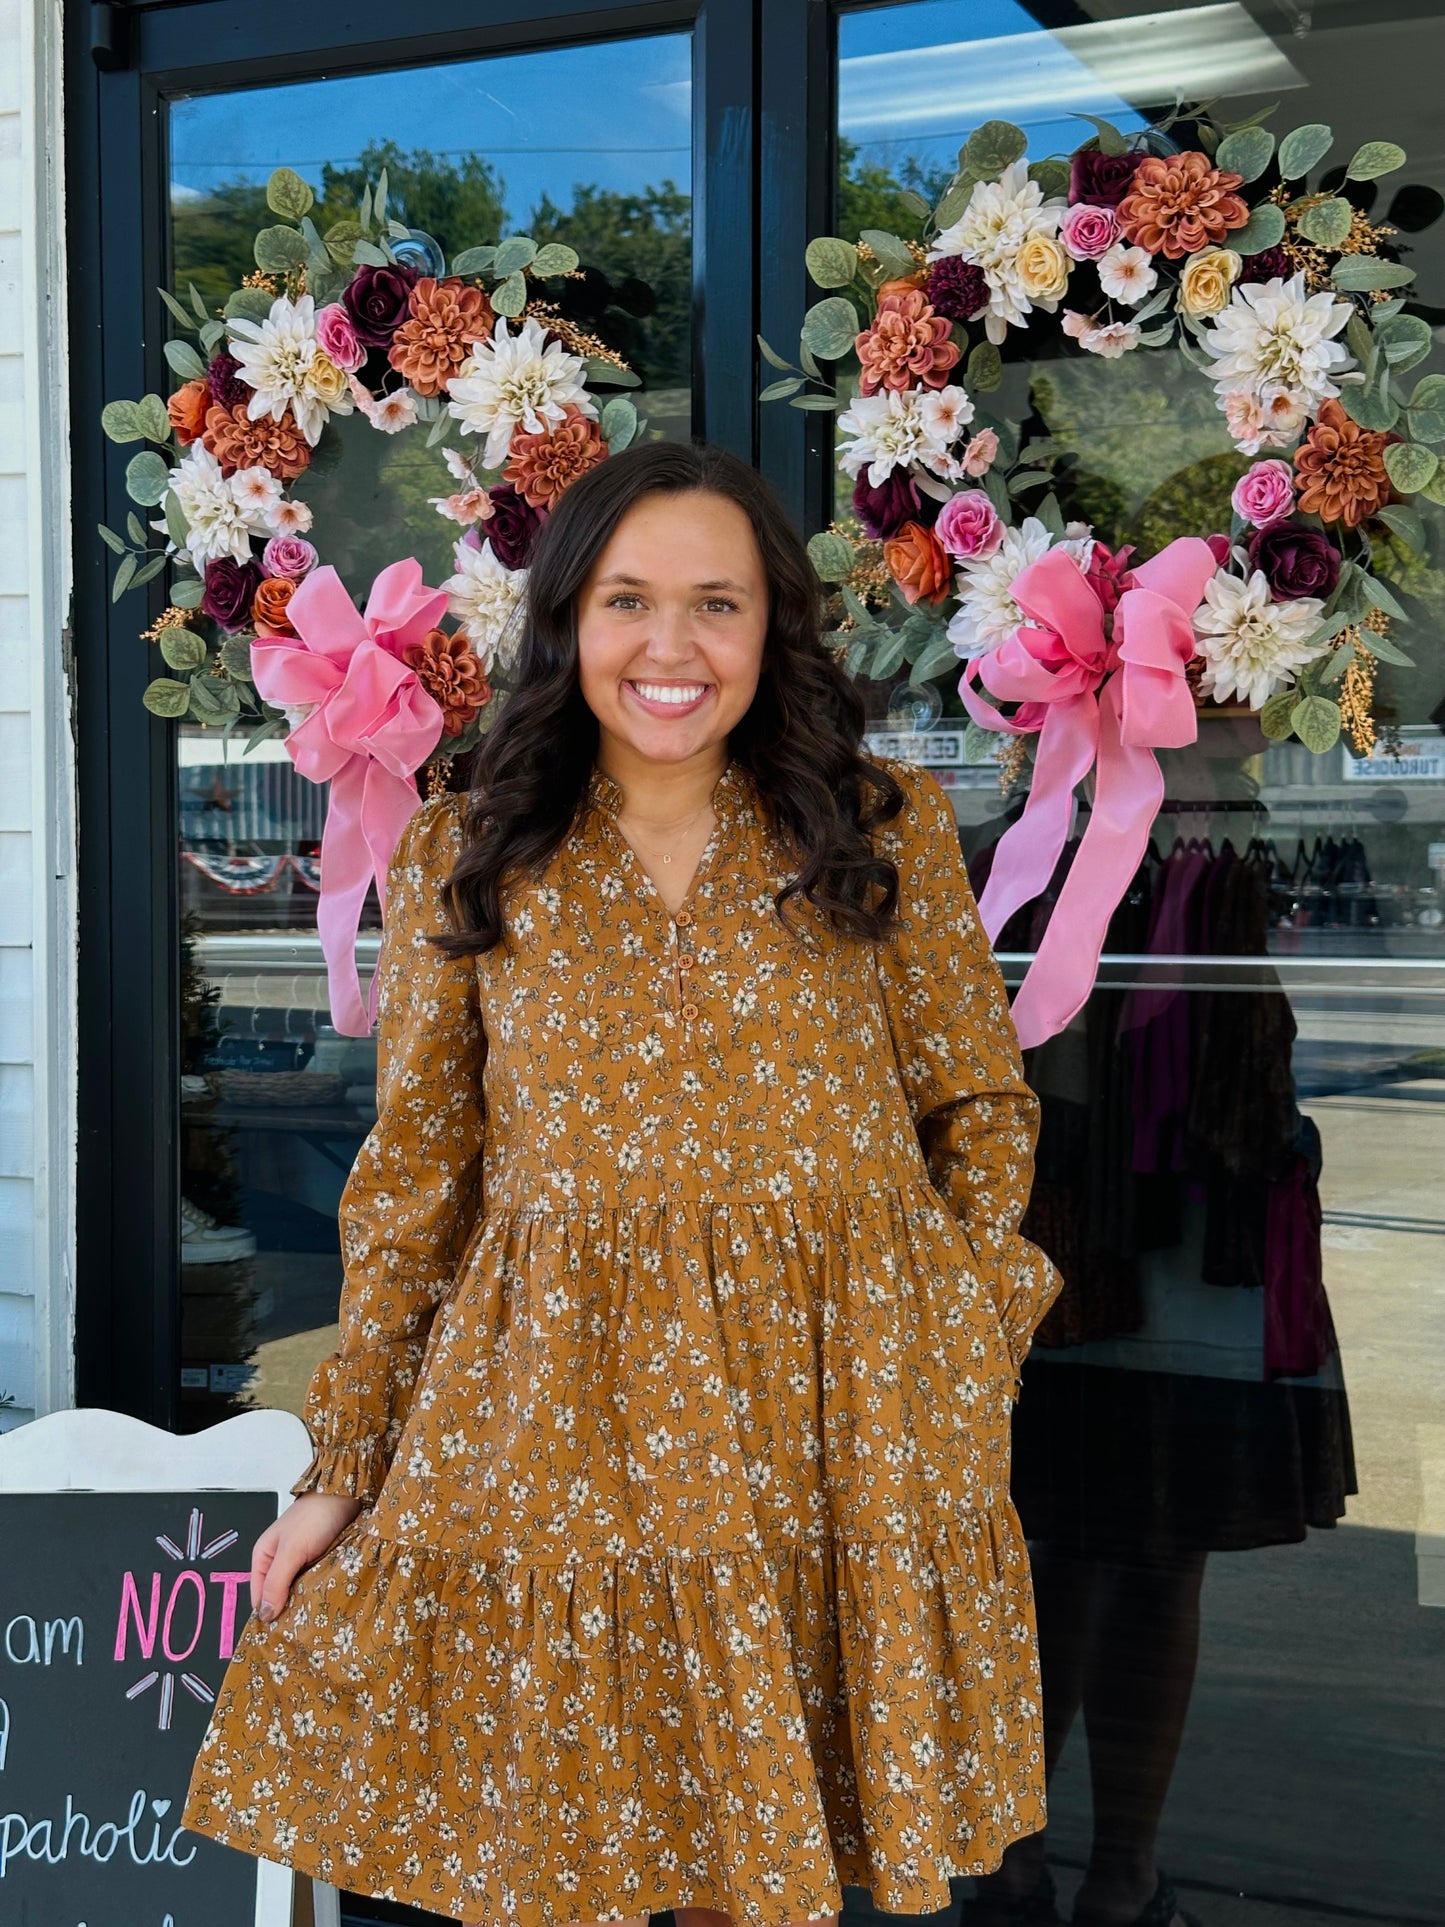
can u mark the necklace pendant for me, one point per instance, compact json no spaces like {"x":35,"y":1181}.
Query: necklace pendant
{"x":667,"y":859}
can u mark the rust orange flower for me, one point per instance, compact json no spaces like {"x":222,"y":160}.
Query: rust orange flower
{"x":443,"y":319}
{"x":904,"y":284}
{"x":540,"y":467}
{"x":1340,"y":468}
{"x":1179,"y":205}
{"x":907,"y":343}
{"x":238,"y":442}
{"x":918,"y":563}
{"x":187,"y":410}
{"x":447,"y":669}
{"x":270,"y":603}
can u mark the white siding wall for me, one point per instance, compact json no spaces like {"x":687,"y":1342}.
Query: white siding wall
{"x":37,"y":1070}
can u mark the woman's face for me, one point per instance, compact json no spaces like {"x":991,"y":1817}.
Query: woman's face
{"x":671,"y":623}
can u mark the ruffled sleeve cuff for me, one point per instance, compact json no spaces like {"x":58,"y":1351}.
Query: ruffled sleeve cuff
{"x":352,"y":1469}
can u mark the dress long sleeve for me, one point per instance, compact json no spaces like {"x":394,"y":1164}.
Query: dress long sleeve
{"x":958,"y":1056}
{"x":415,"y":1191}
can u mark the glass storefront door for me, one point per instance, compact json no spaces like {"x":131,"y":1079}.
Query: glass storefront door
{"x":1228,"y":1443}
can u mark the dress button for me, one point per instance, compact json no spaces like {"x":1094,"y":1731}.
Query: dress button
{"x":683,"y":919}
{"x":687,"y":959}
{"x":689,"y":1011}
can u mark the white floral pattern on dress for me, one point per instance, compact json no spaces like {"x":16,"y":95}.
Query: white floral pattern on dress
{"x":683,"y":1313}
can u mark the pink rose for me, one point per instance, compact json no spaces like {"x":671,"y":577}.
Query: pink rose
{"x":968,"y":524}
{"x":1219,"y":548}
{"x":1089,"y":232}
{"x":336,"y":337}
{"x":1264,"y":493}
{"x":289,"y":556}
{"x":981,"y":453}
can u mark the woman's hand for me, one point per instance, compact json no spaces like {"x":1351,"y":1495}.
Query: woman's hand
{"x":309,"y":1526}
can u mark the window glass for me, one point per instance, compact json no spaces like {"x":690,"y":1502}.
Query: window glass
{"x":1228,"y":1443}
{"x":587,"y":145}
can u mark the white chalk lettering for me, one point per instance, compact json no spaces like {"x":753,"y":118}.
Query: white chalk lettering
{"x":22,"y":1839}
{"x":31,"y":1647}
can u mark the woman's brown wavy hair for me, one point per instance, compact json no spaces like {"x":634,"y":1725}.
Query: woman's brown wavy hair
{"x":800,"y":738}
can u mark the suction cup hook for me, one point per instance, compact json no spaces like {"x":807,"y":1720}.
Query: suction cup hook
{"x":914,"y":707}
{"x":418,"y":250}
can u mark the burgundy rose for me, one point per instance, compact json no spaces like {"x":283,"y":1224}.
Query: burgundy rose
{"x":956,"y":289}
{"x":884,"y":510}
{"x":1295,"y":560}
{"x":377,"y":301}
{"x":230,"y":590}
{"x":1101,"y":179}
{"x":512,"y":527}
{"x":223,"y":382}
{"x":1273,"y":264}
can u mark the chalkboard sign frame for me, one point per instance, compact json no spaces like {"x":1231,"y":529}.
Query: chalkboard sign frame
{"x":92,"y":1449}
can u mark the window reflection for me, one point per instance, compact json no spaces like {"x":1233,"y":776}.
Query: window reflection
{"x":1227,"y":1443}
{"x":588,"y":145}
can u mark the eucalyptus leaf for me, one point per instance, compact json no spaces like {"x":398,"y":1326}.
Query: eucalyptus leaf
{"x":516,"y":252}
{"x":1051,"y":515}
{"x":816,"y":402}
{"x":212,"y":333}
{"x":1429,"y":392}
{"x":1405,"y":523}
{"x":177,"y":528}
{"x":888,"y":654}
{"x":1361,"y":338}
{"x":378,"y":199}
{"x":779,"y":390}
{"x":1426,"y":424}
{"x":111,"y":540}
{"x":993,"y":147}
{"x":1409,"y":466}
{"x":555,"y":258}
{"x":831,"y":555}
{"x":1338,"y":663}
{"x":831,"y":263}
{"x":1264,"y":229}
{"x":1380,"y":597}
{"x":124,"y":576}
{"x":1405,"y":339}
{"x":248,"y":304}
{"x":149,"y":569}
{"x":288,"y":195}
{"x":509,"y":297}
{"x":774,"y":359}
{"x":236,"y":658}
{"x":1373,"y":159}
{"x":474,"y":260}
{"x":121,"y":421}
{"x":955,"y":198}
{"x":280,"y":250}
{"x":608,"y":371}
{"x":810,"y":362}
{"x":830,"y":327}
{"x":176,"y":311}
{"x":147,"y":478}
{"x":997,"y":493}
{"x":1363,"y":273}
{"x":214,"y":700}
{"x":273,"y":726}
{"x":1316,"y":721}
{"x":1275,"y":717}
{"x":166,"y":697}
{"x":1382,"y":311}
{"x":1386,"y":650}
{"x":619,"y":423}
{"x":857,"y":653}
{"x":1110,"y":140}
{"x":1374,"y":408}
{"x":980,"y":745}
{"x":186,"y":592}
{"x":915,"y":203}
{"x":1246,"y":152}
{"x":1327,"y":223}
{"x":1157,"y":337}
{"x":1052,"y":177}
{"x":984,"y":372}
{"x":440,"y":429}
{"x":155,"y":423}
{"x":366,"y":254}
{"x":889,"y":251}
{"x":183,"y":358}
{"x":1301,"y":150}
{"x":135,"y":529}
{"x":933,"y":661}
{"x":182,"y":648}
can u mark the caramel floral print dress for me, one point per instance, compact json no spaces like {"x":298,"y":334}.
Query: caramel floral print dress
{"x":683,"y":1313}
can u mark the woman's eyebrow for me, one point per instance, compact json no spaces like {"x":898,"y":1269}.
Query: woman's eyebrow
{"x":639,"y":582}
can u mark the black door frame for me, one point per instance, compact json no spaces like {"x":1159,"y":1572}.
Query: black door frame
{"x":763,"y":168}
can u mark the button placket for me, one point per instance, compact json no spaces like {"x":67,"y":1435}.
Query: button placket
{"x":685,"y":959}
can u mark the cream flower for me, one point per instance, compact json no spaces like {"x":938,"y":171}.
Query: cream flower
{"x":1276,"y":343}
{"x":277,"y":357}
{"x":1268,"y":420}
{"x":511,"y":382}
{"x":1111,"y":339}
{"x":258,"y":494}
{"x":486,"y":599}
{"x":1252,"y":645}
{"x":1043,"y":269}
{"x":291,"y":518}
{"x":390,"y":413}
{"x":1127,"y":274}
{"x":1001,"y":218}
{"x":217,"y":522}
{"x":898,"y":427}
{"x":987,"y":614}
{"x":1206,"y":280}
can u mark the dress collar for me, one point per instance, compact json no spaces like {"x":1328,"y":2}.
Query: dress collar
{"x":733,"y":794}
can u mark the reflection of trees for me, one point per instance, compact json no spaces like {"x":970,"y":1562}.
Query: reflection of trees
{"x":868,"y":192}
{"x":636,"y":248}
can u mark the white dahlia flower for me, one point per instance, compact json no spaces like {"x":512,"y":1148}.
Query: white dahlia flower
{"x":512,"y":382}
{"x":486,"y":598}
{"x":1001,"y":217}
{"x":1250,"y":643}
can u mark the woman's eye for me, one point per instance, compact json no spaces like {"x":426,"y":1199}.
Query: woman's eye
{"x":623,"y":595}
{"x":720,"y":602}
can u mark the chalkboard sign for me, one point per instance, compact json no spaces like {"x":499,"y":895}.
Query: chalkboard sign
{"x":119,"y":1609}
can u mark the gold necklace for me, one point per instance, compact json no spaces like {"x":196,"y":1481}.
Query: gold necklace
{"x":689,"y":824}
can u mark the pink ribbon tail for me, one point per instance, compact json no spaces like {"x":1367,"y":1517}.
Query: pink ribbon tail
{"x":1029,"y":850}
{"x":367,"y":810}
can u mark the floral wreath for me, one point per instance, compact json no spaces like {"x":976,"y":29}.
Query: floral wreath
{"x":363,"y":319}
{"x":1222,"y":256}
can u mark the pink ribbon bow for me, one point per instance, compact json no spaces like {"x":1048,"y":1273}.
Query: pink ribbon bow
{"x":368,"y":726}
{"x":1098,"y":701}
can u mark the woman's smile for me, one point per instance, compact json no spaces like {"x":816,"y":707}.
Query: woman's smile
{"x":667,"y":698}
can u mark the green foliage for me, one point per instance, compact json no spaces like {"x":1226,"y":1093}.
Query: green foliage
{"x":871,"y":195}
